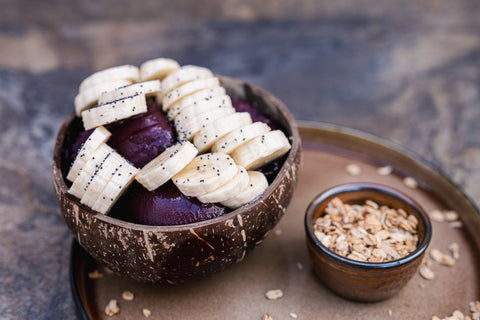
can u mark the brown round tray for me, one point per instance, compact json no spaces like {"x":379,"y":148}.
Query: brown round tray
{"x":281,"y":261}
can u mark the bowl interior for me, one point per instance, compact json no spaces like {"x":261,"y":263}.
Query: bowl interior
{"x":358,"y":193}
{"x":237,"y":89}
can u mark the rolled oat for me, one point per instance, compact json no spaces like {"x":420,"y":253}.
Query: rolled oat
{"x":274,"y":294}
{"x":410,"y":182}
{"x":146,"y":312}
{"x":442,"y":258}
{"x":474,"y":306}
{"x":426,"y":272}
{"x":112,"y":308}
{"x":266,"y":316}
{"x":450,"y":216}
{"x":456,"y":224}
{"x":127,"y":295}
{"x":353,"y":169}
{"x":454,"y":250}
{"x":95,"y":274}
{"x":368,"y":232}
{"x":385,"y":170}
{"x":437,"y":215}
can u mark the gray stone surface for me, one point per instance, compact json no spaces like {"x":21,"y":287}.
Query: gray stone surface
{"x":407,"y":71}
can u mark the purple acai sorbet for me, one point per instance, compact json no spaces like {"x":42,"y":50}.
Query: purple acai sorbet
{"x":141,"y":139}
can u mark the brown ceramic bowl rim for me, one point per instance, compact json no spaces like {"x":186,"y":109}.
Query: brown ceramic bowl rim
{"x":292,"y":133}
{"x":353,"y":187}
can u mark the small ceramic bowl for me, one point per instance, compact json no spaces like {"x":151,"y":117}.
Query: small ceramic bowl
{"x":178,"y":254}
{"x":365,"y":281}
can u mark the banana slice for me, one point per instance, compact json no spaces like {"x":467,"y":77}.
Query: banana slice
{"x":166,"y":165}
{"x":89,"y":96}
{"x":105,"y":169}
{"x":187,"y":128}
{"x":116,"y":168}
{"x":205,"y":173}
{"x":114,"y":111}
{"x":228,"y":143}
{"x":215,"y":130}
{"x":148,"y":88}
{"x":229,"y":189}
{"x":195,"y":98}
{"x":261,"y":150}
{"x":257,"y":184}
{"x":186,"y":89}
{"x":157,"y":68}
{"x":109,"y":196}
{"x":114,"y":189}
{"x":125,"y":72}
{"x":89,"y":174}
{"x":94,"y":188}
{"x":205,"y":106}
{"x":181,"y":76}
{"x":96,"y":138}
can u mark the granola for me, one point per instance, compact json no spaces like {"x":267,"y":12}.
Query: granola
{"x":368,"y":232}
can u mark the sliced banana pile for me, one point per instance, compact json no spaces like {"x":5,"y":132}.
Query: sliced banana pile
{"x":218,"y":150}
{"x":99,"y":174}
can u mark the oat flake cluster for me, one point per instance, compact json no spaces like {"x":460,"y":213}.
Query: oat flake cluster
{"x":368,"y":232}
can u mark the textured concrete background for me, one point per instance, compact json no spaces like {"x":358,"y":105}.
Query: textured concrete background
{"x":408,"y":71}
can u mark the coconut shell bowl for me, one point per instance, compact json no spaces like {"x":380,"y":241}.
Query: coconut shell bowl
{"x":181,"y":253}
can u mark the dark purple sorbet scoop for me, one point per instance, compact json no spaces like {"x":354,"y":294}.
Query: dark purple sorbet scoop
{"x":165,"y":206}
{"x":142,"y":139}
{"x":245,"y":106}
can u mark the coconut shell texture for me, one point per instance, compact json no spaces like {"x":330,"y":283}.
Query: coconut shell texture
{"x":178,"y":254}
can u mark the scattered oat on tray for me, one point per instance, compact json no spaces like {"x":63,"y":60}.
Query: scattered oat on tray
{"x":410,"y":182}
{"x":456,"y":224}
{"x":128,"y":295}
{"x":439,"y":257}
{"x":436,"y":215}
{"x":95,"y":274}
{"x":442,"y":258}
{"x":353,"y":169}
{"x":385,"y":170}
{"x":112,"y":308}
{"x":274,"y":294}
{"x":108,"y":270}
{"x":367,"y":232}
{"x":426,"y":272}
{"x":458,"y":315}
{"x":449,"y":216}
{"x":267,"y":316}
{"x":146,"y":312}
